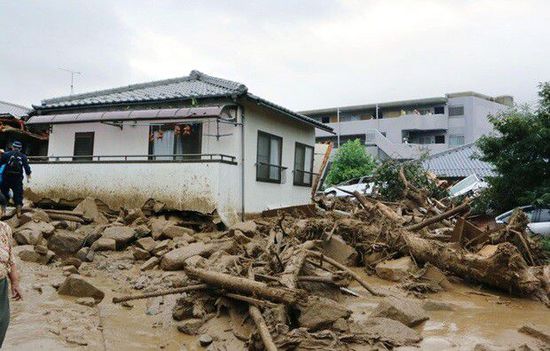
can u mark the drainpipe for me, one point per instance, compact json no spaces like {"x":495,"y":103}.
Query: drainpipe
{"x":242,"y":163}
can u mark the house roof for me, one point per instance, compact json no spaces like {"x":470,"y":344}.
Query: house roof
{"x":196,"y":85}
{"x":7,"y":108}
{"x":458,"y":162}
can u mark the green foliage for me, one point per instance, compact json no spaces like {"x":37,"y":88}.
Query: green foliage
{"x":520,"y":153}
{"x":545,"y":241}
{"x":351,"y":161}
{"x":390,"y":186}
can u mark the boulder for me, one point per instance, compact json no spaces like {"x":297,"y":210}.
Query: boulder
{"x":140,"y":254}
{"x":86,"y":301}
{"x":174,"y":231}
{"x":64,"y":241}
{"x":40,"y":216}
{"x":142,"y":231}
{"x":157,"y":225}
{"x":406,"y":311}
{"x":92,"y":233}
{"x":85,"y":254}
{"x":190,"y":326}
{"x":246,"y":227}
{"x":395,"y":270}
{"x":89,"y":208}
{"x":435,"y":275}
{"x":71,"y":261}
{"x":41,"y":249}
{"x":122,"y":235}
{"x":28,"y":254}
{"x":68,"y":270}
{"x":147,"y":244}
{"x":42,"y":227}
{"x":150,"y":264}
{"x":27,"y":237}
{"x":75,"y":285}
{"x":320,"y":312}
{"x":25,"y":218}
{"x":337,"y":249}
{"x":389,"y":331}
{"x":104,"y":244}
{"x":175,"y":259}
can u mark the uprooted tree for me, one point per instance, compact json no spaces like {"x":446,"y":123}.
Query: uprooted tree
{"x":520,"y":154}
{"x":351,"y":161}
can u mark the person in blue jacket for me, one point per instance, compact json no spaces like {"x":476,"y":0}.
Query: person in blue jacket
{"x":17,"y":165}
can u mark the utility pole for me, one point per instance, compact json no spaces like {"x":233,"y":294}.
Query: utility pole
{"x":72,"y":77}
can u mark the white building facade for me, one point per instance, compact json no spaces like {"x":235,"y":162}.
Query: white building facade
{"x":196,"y":143}
{"x":408,"y":129}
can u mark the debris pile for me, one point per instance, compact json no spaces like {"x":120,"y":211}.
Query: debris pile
{"x":281,"y":279}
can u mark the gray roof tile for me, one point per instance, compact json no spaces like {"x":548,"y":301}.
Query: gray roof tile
{"x":458,"y":162}
{"x":7,"y":108}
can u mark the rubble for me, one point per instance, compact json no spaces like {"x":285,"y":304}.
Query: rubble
{"x":75,"y":285}
{"x":395,"y":270}
{"x":407,"y":312}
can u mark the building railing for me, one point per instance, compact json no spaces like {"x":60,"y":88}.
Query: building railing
{"x":176,"y":158}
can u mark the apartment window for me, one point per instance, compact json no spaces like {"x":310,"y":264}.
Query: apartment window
{"x":439,"y":110}
{"x":83,"y":146}
{"x":456,"y":140}
{"x":349,"y":118}
{"x":440,"y":139}
{"x":303,"y":164}
{"x":456,"y":110}
{"x":268,"y":159}
{"x":175,"y":139}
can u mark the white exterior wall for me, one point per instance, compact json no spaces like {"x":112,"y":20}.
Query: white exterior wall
{"x":260,"y":196}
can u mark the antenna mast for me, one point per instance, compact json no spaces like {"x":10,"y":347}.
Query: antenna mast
{"x":72,"y":77}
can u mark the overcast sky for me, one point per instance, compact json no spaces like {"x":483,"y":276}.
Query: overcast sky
{"x":302,"y":54}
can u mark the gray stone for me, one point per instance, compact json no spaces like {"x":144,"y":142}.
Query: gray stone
{"x":320,"y":312}
{"x":174,"y":231}
{"x":161,"y":246}
{"x":86,"y":301}
{"x":337,"y":249}
{"x":64,"y":241}
{"x":175,"y":259}
{"x":150,"y":263}
{"x":190,"y":326}
{"x":40,"y":216}
{"x":122,"y":235}
{"x":27,"y":237}
{"x":395,"y":270}
{"x":406,"y":311}
{"x":77,"y":286}
{"x":147,"y":244}
{"x":84,"y":254}
{"x":42,"y":227}
{"x":41,"y":249}
{"x":205,"y":340}
{"x":104,"y":244}
{"x":157,"y":225}
{"x":89,"y":208}
{"x":71,"y":261}
{"x":388,"y":331}
{"x":140,"y":254}
{"x":28,"y":254}
{"x":142,"y":231}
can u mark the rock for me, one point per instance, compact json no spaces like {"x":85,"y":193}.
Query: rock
{"x":157,"y":225}
{"x":337,"y":249}
{"x":190,"y":326}
{"x":431,"y":305}
{"x":82,"y":254}
{"x":147,"y":244}
{"x":104,"y":244}
{"x":140,"y":254}
{"x":86,"y":301}
{"x":142,"y":231}
{"x":70,"y":270}
{"x":175,"y":259}
{"x":89,"y":208}
{"x":205,"y":340}
{"x":247,"y":227}
{"x":71,"y":261}
{"x":77,"y":286}
{"x":541,"y":332}
{"x":92,"y":233}
{"x":407,"y":312}
{"x":40,"y":216}
{"x":161,"y":246}
{"x":395,"y":270}
{"x":13,"y":222}
{"x":434,"y":275}
{"x":174,"y":231}
{"x":150,"y":263}
{"x":133,"y":215}
{"x":41,"y":249}
{"x":27,"y":237}
{"x":153,"y":305}
{"x":25,"y":218}
{"x":388,"y":331}
{"x":122,"y":235}
{"x":28,"y":254}
{"x":42,"y":227}
{"x":320,"y":312}
{"x":64,"y":241}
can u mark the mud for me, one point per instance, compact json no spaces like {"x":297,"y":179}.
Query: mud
{"x":48,"y":321}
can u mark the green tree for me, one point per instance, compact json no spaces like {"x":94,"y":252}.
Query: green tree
{"x":520,"y":154}
{"x":351,"y":161}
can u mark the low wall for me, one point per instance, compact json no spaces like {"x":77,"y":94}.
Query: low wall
{"x":202,"y":187}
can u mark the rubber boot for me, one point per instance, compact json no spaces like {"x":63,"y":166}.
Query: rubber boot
{"x":18,"y":211}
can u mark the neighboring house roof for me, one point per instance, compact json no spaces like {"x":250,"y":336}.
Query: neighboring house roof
{"x":195,"y":86}
{"x":458,"y":162}
{"x":7,"y":108}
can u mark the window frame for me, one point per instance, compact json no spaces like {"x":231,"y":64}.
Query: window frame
{"x":90,"y":135}
{"x":302,"y":183}
{"x":279,"y":166}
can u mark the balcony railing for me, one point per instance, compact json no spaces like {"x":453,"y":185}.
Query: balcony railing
{"x":181,"y":158}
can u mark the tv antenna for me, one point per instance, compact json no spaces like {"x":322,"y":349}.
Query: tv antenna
{"x":72,"y":77}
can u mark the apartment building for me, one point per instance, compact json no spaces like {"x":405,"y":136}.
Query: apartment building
{"x":407,"y":129}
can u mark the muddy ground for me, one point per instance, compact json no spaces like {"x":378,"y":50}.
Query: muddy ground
{"x":468,"y":315}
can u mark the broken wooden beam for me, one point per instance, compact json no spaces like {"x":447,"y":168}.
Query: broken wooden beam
{"x":458,"y":209}
{"x":160,"y":293}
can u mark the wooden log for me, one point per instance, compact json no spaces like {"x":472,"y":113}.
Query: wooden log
{"x":340,"y":266}
{"x":458,"y":209}
{"x":251,"y":300}
{"x":65,"y":217}
{"x":289,"y":278}
{"x":383,"y":209}
{"x":64,"y":212}
{"x":262,"y":328}
{"x":160,"y":293}
{"x":245,"y":286}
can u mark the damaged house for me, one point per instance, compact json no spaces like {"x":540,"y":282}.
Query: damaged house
{"x":13,"y":127}
{"x":196,"y":143}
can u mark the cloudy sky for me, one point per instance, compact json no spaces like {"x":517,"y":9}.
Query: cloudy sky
{"x":300,"y":53}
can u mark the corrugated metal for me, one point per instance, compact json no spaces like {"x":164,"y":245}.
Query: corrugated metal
{"x":7,"y":108}
{"x":459,"y":162}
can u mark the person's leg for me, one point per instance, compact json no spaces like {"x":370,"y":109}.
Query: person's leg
{"x":17,"y":188}
{"x":4,"y":309}
{"x":5,"y":189}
